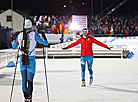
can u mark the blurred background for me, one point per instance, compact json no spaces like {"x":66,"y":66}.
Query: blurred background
{"x":66,"y":18}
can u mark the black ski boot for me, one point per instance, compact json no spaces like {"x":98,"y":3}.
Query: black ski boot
{"x":91,"y":80}
{"x":83,"y":83}
{"x":29,"y":98}
{"x":25,"y":100}
{"x":25,"y":96}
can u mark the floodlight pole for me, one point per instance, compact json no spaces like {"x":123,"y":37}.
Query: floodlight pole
{"x":12,"y":13}
{"x":92,"y":8}
{"x":101,"y":7}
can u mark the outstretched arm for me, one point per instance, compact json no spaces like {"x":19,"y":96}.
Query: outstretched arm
{"x":74,"y":44}
{"x":37,"y":38}
{"x":99,"y":43}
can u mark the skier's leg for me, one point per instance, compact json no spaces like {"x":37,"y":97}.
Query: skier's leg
{"x":30,"y":77}
{"x":83,"y":62}
{"x":90,"y":62}
{"x":24,"y":83}
{"x":23,"y":70}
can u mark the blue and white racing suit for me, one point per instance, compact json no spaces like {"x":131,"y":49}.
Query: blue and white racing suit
{"x":28,"y":71}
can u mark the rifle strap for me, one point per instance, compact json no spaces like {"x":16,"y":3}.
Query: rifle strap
{"x":31,"y":52}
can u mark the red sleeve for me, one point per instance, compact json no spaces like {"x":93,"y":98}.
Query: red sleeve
{"x":74,"y":44}
{"x":99,"y":43}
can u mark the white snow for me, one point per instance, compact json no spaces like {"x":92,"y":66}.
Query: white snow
{"x":115,"y":80}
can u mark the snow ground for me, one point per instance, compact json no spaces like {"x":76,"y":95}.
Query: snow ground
{"x":115,"y":80}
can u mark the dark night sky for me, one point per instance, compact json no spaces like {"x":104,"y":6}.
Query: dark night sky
{"x":37,"y":7}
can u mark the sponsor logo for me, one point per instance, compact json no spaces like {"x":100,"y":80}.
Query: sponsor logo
{"x":82,"y":62}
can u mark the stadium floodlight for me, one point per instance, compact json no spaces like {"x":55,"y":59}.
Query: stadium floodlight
{"x":73,"y":26}
{"x":113,"y":9}
{"x":83,"y":3}
{"x":65,"y":6}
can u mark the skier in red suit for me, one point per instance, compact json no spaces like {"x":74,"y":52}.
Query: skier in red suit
{"x":86,"y":53}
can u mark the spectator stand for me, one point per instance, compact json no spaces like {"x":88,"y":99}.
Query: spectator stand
{"x":115,"y":26}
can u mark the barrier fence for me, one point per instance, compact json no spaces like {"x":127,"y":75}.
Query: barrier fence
{"x":5,"y":58}
{"x":119,"y":51}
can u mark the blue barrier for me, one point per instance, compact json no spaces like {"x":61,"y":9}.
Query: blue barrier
{"x":124,"y":49}
{"x":130,"y":55}
{"x":122,"y":38}
{"x":11,"y":64}
{"x":105,"y":41}
{"x":112,"y":40}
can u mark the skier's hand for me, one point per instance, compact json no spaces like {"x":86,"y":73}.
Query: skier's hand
{"x":109,"y":48}
{"x":44,"y":46}
{"x":44,"y":36}
{"x":64,"y":48}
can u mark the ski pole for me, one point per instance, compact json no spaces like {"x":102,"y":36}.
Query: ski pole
{"x":46,"y":76}
{"x":14,"y":77}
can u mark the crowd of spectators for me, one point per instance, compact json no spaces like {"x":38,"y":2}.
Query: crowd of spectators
{"x":109,"y":26}
{"x":115,"y":26}
{"x":45,"y":22}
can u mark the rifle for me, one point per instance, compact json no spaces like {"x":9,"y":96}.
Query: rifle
{"x":24,"y":46}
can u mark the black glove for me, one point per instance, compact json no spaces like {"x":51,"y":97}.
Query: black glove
{"x":109,"y":48}
{"x":44,"y":36}
{"x":64,"y":48}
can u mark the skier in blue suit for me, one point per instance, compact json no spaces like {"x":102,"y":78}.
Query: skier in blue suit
{"x":28,"y":71}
